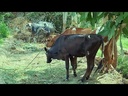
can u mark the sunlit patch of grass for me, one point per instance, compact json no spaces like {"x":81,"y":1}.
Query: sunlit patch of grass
{"x":99,"y":53}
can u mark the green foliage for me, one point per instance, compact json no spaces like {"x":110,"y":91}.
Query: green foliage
{"x":109,"y":29}
{"x":6,"y":16}
{"x":125,"y":30}
{"x":4,"y":30}
{"x":94,"y":18}
{"x":83,"y":16}
{"x":123,"y":65}
{"x":119,"y":19}
{"x":124,"y":42}
{"x":1,"y":17}
{"x":114,"y":20}
{"x":82,"y":19}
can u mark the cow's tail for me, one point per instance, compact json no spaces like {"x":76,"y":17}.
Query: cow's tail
{"x":101,"y":62}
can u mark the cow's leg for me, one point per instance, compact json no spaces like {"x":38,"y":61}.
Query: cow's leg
{"x":90,"y":65}
{"x":74,"y":64}
{"x":67,"y":67}
{"x":90,"y":61}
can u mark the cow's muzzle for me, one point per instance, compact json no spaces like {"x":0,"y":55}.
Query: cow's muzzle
{"x":49,"y":61}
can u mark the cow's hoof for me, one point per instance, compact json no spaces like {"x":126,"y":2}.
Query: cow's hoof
{"x":82,"y":80}
{"x":66,"y":80}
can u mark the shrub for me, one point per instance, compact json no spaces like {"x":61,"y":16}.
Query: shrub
{"x":123,"y":66}
{"x":4,"y":30}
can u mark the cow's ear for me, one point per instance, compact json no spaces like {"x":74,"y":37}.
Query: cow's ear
{"x":45,"y":49}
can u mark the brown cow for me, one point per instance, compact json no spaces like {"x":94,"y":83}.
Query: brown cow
{"x":70,"y":31}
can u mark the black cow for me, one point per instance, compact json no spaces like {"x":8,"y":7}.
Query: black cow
{"x":75,"y":45}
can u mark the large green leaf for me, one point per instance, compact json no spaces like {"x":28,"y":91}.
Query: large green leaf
{"x":83,"y":16}
{"x":73,"y":14}
{"x":119,"y":19}
{"x":106,"y":29}
{"x":125,"y":31}
{"x":125,"y":19}
{"x":85,"y":24}
{"x":93,"y":23}
{"x":111,"y":33}
{"x":104,"y":32}
{"x":100,"y":13}
{"x":89,"y":17}
{"x":91,"y":14}
{"x":116,"y":13}
{"x":108,"y":24}
{"x":110,"y":16}
{"x":125,"y":15}
{"x":93,"y":19}
{"x":109,"y":29}
{"x":105,"y":14}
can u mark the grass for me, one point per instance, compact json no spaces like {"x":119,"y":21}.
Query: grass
{"x":124,"y":42}
{"x":13,"y":67}
{"x":1,"y":41}
{"x":15,"y":70}
{"x":123,"y":59}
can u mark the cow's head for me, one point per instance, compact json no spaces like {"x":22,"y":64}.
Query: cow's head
{"x":48,"y":54}
{"x":52,"y":54}
{"x":28,"y":26}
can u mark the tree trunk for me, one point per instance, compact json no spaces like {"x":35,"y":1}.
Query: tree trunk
{"x":110,"y":51}
{"x":65,"y":14}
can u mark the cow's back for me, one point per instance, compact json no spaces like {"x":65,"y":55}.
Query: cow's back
{"x":77,"y":31}
{"x":75,"y":43}
{"x":71,"y":31}
{"x":81,"y":43}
